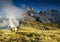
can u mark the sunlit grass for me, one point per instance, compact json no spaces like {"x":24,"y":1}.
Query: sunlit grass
{"x":30,"y":35}
{"x":30,"y":31}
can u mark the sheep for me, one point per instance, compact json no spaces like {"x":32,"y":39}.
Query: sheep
{"x":14,"y":29}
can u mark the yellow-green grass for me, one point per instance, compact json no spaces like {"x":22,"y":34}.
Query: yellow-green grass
{"x":30,"y":35}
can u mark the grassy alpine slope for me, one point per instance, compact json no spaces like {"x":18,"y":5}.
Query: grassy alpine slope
{"x":31,"y":31}
{"x":30,"y":35}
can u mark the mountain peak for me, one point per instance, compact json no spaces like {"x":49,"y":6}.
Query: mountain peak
{"x":27,"y":8}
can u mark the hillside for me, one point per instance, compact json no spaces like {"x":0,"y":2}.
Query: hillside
{"x":31,"y":31}
{"x":30,"y":35}
{"x":30,"y":22}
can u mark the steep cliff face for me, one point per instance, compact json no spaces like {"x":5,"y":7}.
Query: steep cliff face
{"x":48,"y":16}
{"x":40,"y":17}
{"x":53,"y":15}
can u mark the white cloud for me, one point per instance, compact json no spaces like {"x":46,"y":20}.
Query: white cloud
{"x":12,"y":12}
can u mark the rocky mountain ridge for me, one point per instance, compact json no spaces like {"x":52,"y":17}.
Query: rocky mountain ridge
{"x":48,"y":16}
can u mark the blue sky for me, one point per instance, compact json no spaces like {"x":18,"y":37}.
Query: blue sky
{"x":37,"y":4}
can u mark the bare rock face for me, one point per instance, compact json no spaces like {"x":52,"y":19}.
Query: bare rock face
{"x":48,"y":16}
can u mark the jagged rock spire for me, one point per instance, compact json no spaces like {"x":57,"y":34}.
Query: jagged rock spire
{"x":27,"y":8}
